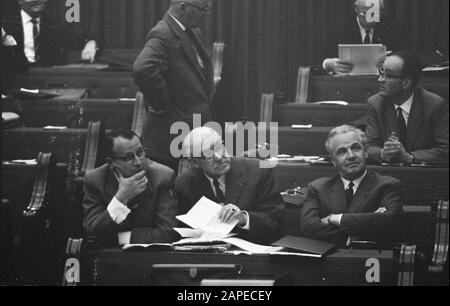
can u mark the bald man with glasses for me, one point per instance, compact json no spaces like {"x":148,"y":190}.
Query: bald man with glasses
{"x":174,"y":72}
{"x":247,"y":193}
{"x":130,"y":199}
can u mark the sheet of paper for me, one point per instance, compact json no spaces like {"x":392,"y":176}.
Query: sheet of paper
{"x":188,"y":232}
{"x":343,"y":103}
{"x":301,"y":126}
{"x":51,"y":127}
{"x":33,"y":91}
{"x":24,"y":161}
{"x":205,"y":216}
{"x":251,"y":247}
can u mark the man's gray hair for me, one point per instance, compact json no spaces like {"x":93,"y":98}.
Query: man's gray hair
{"x":343,"y":129}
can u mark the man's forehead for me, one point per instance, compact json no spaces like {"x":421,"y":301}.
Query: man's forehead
{"x":365,"y":4}
{"x":346,"y":140}
{"x":123,"y":145}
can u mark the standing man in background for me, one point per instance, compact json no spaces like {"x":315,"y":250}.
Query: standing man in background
{"x":174,"y":72}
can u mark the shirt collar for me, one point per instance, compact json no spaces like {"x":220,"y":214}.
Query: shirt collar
{"x":220,"y":179}
{"x":406,"y":106}
{"x":361,"y":29}
{"x":356,"y":182}
{"x":178,"y":22}
{"x":27,"y":18}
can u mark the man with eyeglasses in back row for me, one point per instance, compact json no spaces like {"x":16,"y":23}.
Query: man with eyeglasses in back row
{"x":406,"y":124}
{"x":174,"y":73}
{"x":130,"y":199}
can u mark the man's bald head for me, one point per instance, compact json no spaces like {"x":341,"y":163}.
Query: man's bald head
{"x":191,"y":13}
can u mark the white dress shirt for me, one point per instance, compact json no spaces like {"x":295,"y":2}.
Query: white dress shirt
{"x":356,"y":184}
{"x":222,"y":187}
{"x":406,"y":108}
{"x":28,"y":37}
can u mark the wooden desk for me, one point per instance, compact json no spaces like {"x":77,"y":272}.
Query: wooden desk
{"x":357,"y":89}
{"x":318,"y":115}
{"x":419,"y":183}
{"x":101,"y":83}
{"x":344,"y":267}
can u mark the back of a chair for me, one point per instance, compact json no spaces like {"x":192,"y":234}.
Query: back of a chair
{"x":303,"y":84}
{"x":266,"y":112}
{"x":217,"y":61}
{"x":139,"y":114}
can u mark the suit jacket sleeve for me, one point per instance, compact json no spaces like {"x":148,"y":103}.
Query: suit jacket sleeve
{"x":266,"y":221}
{"x":150,"y":72}
{"x":439,"y":153}
{"x":96,"y":220}
{"x":374,"y":135}
{"x":377,"y":226}
{"x":164,"y":221}
{"x":311,"y":224}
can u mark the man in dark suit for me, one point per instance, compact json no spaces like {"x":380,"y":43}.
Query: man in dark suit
{"x":406,"y":124}
{"x":131,"y":197}
{"x":356,"y":202}
{"x":248,"y":193}
{"x":40,"y":41}
{"x":358,"y":30}
{"x":174,"y":72}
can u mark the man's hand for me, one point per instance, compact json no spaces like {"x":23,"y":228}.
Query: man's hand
{"x":230,"y":212}
{"x":394,"y":150}
{"x":338,"y":66}
{"x":130,"y":187}
{"x":332,"y":220}
{"x":89,"y":51}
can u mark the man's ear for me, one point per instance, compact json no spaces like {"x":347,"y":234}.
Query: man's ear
{"x":407,"y":83}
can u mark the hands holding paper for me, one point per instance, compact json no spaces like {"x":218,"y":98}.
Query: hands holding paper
{"x":230,"y":212}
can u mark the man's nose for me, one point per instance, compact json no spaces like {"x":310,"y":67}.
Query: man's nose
{"x":137,"y":161}
{"x":381,"y":79}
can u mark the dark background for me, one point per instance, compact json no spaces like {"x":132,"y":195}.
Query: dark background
{"x":267,"y":40}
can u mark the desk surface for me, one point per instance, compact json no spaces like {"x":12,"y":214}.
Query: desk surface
{"x":344,"y":267}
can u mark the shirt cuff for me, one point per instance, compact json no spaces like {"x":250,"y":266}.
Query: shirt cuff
{"x":124,"y":238}
{"x":247,"y":225}
{"x":117,"y":211}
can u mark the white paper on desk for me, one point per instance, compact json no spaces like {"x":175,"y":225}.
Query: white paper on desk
{"x":33,"y":91}
{"x":51,"y":127}
{"x":251,"y":247}
{"x":24,"y":161}
{"x":301,"y":126}
{"x":188,"y":232}
{"x":205,"y":216}
{"x":343,"y":103}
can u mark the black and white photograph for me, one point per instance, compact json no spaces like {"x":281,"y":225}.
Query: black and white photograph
{"x":223,"y":148}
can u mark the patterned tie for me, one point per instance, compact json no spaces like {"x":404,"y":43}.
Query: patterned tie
{"x":219,"y":194}
{"x":36,"y":39}
{"x":349,"y":193}
{"x":401,"y":126}
{"x":367,"y":38}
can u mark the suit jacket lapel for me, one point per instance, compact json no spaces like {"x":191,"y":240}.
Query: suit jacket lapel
{"x":337,"y":199}
{"x":234,"y":182}
{"x":415,"y":120}
{"x":391,"y":119}
{"x":361,"y":194}
{"x":186,"y":44}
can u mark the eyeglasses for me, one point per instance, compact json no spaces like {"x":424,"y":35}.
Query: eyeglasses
{"x":204,"y":9}
{"x":131,"y":157}
{"x":388,"y":76}
{"x":359,"y":12}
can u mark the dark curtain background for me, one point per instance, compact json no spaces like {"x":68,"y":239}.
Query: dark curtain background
{"x":267,"y":40}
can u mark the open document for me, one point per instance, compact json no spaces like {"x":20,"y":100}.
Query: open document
{"x":365,"y":58}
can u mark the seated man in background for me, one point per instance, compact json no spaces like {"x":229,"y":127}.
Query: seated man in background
{"x":39,"y":40}
{"x":406,"y":124}
{"x":130,"y":197}
{"x":356,"y":202}
{"x":358,"y":30}
{"x":247,"y":193}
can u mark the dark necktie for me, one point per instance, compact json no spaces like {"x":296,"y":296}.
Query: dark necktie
{"x":349,"y":193}
{"x":401,"y":126}
{"x":367,"y":38}
{"x":219,"y":194}
{"x":36,"y":39}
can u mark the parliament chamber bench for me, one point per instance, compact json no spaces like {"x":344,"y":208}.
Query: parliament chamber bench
{"x":72,"y":108}
{"x":317,"y":114}
{"x":357,"y":89}
{"x":100,"y":80}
